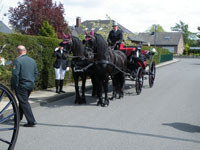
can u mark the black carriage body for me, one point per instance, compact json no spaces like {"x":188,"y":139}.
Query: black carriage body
{"x":135,"y":58}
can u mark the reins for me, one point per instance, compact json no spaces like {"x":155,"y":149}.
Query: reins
{"x":84,"y":68}
{"x":110,"y":63}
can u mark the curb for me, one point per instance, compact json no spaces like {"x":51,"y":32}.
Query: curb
{"x":34,"y":101}
{"x":167,"y":63}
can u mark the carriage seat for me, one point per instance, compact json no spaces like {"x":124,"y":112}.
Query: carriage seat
{"x":127,"y":49}
{"x":130,"y":53}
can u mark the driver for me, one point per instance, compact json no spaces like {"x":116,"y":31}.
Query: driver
{"x":115,"y":37}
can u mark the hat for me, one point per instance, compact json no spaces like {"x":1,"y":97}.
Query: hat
{"x":61,"y":44}
{"x":115,"y":24}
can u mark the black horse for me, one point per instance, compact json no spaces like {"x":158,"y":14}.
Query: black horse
{"x":80,"y":60}
{"x":107,"y":62}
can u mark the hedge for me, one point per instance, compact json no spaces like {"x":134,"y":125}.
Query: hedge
{"x":192,"y":52}
{"x":39,"y":48}
{"x":160,"y":52}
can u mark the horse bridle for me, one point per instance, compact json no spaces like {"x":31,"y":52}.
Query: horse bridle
{"x":70,"y":46}
{"x":92,"y":39}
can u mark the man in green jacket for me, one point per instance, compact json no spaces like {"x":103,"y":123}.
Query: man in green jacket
{"x":24,"y":74}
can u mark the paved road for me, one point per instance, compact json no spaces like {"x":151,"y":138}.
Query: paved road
{"x":165,"y":117}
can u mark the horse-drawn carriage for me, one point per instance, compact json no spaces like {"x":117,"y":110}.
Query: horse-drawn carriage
{"x":103,"y":62}
{"x":128,"y":61}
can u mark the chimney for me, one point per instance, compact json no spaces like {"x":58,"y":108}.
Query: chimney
{"x":78,"y":22}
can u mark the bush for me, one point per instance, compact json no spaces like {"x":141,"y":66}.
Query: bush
{"x":47,"y":30}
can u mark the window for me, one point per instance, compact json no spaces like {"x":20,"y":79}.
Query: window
{"x":171,"y":49}
{"x":167,"y":37}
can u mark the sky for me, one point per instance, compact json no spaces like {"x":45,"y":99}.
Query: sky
{"x":135,"y":15}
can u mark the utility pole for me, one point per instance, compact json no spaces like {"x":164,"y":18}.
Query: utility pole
{"x":155,"y":27}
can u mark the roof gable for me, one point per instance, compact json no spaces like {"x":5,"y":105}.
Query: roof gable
{"x":162,"y":38}
{"x":4,"y":28}
{"x":89,"y":25}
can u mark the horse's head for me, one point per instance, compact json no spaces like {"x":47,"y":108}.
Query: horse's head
{"x":89,"y":42}
{"x":97,"y":44}
{"x":67,"y":41}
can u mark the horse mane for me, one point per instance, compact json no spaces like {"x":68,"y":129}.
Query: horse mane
{"x":77,"y":47}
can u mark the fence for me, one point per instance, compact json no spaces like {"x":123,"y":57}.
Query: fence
{"x":166,"y":57}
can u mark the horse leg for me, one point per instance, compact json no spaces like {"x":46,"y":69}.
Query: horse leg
{"x":78,"y":98}
{"x":122,"y":84}
{"x":114,"y":88}
{"x":106,"y":101}
{"x":83,"y":89}
{"x":99,"y":93}
{"x":94,"y":85}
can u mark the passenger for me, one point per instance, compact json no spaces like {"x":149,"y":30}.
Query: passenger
{"x":115,"y":37}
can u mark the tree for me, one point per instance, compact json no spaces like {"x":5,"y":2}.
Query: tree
{"x":159,"y":28}
{"x":28,"y":17}
{"x":182,"y":27}
{"x":198,"y":34}
{"x":47,"y":30}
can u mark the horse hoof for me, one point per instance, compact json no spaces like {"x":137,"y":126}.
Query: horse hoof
{"x":99,"y":103}
{"x":102,"y":105}
{"x":121,"y":95}
{"x":106,"y":103}
{"x":83,"y":101}
{"x":78,"y":102}
{"x":94,"y":94}
{"x":111,"y":98}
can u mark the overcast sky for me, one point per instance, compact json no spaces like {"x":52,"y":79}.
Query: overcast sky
{"x":135,"y":15}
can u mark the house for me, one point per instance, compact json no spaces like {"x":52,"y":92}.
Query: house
{"x":4,"y":28}
{"x":173,"y":41}
{"x":97,"y":25}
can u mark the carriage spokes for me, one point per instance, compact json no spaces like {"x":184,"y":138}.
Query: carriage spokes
{"x":9,"y":118}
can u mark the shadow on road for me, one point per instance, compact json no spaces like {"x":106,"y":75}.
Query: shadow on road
{"x":184,"y":127}
{"x":195,"y":64}
{"x":129,"y":90}
{"x":119,"y":131}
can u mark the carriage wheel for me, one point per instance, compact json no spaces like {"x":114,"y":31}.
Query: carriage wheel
{"x":152,"y":74}
{"x":9,"y":118}
{"x":139,"y":81}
